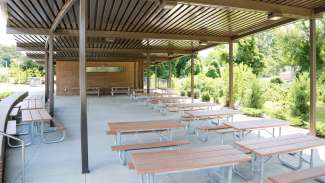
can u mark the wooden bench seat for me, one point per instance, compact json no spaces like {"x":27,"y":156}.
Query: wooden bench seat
{"x":300,"y":175}
{"x":123,"y":149}
{"x":11,"y":127}
{"x":14,"y":112}
{"x":131,"y":147}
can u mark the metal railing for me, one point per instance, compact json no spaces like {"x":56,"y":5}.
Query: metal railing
{"x":22,"y":153}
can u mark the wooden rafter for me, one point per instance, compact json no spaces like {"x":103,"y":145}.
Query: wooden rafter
{"x":250,"y":5}
{"x":65,"y":9}
{"x":121,"y":50}
{"x":116,"y":34}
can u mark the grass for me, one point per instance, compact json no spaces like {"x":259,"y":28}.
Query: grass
{"x":321,"y":112}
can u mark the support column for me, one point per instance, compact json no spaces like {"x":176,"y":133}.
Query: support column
{"x":170,"y":75}
{"x":312,"y":63}
{"x":46,"y":68}
{"x":192,"y":76}
{"x":83,"y":85}
{"x":51,"y":75}
{"x":148,"y":81}
{"x":156,"y":78}
{"x":231,"y":75}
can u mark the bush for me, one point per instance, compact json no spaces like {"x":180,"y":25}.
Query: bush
{"x":4,"y":94}
{"x":252,"y":112}
{"x":183,"y":93}
{"x":299,"y":97}
{"x":276,"y":80}
{"x":205,"y":97}
{"x":320,"y":129}
{"x":253,"y":98}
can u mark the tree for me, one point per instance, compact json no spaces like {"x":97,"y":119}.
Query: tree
{"x":248,"y":54}
{"x":295,"y":46}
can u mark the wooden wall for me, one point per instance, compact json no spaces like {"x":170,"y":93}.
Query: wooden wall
{"x":67,"y":76}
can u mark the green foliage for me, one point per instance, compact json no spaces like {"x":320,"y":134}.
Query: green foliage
{"x":299,"y":97}
{"x":248,"y":54}
{"x":182,"y":93}
{"x":252,"y":112}
{"x":205,"y":97}
{"x":253,"y":97}
{"x":4,"y":94}
{"x":276,"y":80}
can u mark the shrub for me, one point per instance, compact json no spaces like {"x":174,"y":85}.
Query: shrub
{"x":252,"y":112}
{"x":196,"y":94}
{"x":4,"y":94}
{"x":299,"y":97}
{"x":276,"y":80}
{"x":183,"y":93}
{"x":205,"y":97}
{"x":253,"y":97}
{"x":320,"y":129}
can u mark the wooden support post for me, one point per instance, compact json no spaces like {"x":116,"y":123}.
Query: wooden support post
{"x":83,"y":84}
{"x":156,"y":77}
{"x":231,"y":75}
{"x":312,"y":63}
{"x":192,"y":76}
{"x":51,"y":75}
{"x":148,"y":81}
{"x":170,"y":75}
{"x":46,"y":68}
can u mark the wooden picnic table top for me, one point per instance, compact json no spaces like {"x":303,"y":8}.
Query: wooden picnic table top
{"x":186,"y":159}
{"x":220,"y":112}
{"x":256,"y":124}
{"x":39,"y":115}
{"x":143,"y":126}
{"x":34,"y":97}
{"x":282,"y":144}
{"x":32,"y":104}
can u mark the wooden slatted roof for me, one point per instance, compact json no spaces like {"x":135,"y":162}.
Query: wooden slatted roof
{"x":134,"y":29}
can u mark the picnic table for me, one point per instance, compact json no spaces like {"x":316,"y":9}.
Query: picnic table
{"x":34,"y":117}
{"x":210,"y":114}
{"x":243,"y":126}
{"x":149,"y":164}
{"x":32,"y":104}
{"x":120,"y":128}
{"x":276,"y":146}
{"x":182,"y":107}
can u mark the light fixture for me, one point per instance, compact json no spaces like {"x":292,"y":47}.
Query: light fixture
{"x":110,"y":39}
{"x":165,"y":4}
{"x":203,"y":43}
{"x":274,"y":16}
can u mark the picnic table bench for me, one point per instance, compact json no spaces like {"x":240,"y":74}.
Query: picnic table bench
{"x":276,"y":146}
{"x":34,"y":97}
{"x":300,"y":175}
{"x":120,"y":90}
{"x":149,"y":164}
{"x":181,"y":107}
{"x":92,"y":90}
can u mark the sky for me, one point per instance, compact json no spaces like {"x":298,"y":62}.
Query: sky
{"x":5,"y":39}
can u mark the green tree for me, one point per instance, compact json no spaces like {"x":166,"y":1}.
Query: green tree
{"x":248,"y":54}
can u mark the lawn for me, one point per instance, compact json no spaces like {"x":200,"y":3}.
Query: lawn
{"x":321,"y":112}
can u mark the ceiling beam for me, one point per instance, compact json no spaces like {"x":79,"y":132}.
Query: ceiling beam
{"x":66,"y":7}
{"x":116,"y":59}
{"x":121,"y":50}
{"x":116,"y":34}
{"x":250,"y":5}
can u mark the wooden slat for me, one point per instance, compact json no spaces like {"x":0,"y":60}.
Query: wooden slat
{"x":26,"y":116}
{"x":149,"y":145}
{"x":299,"y":175}
{"x":257,"y":124}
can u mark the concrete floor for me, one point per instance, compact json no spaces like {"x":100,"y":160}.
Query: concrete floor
{"x":60,"y":162}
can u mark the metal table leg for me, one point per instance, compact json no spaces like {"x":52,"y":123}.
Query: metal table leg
{"x":261,"y":159}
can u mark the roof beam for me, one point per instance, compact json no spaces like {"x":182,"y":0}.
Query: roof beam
{"x":66,"y":7}
{"x":250,"y":5}
{"x":116,"y":34}
{"x":122,"y":50}
{"x":112,"y":59}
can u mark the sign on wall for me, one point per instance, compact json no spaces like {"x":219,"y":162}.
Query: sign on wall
{"x":105,"y":69}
